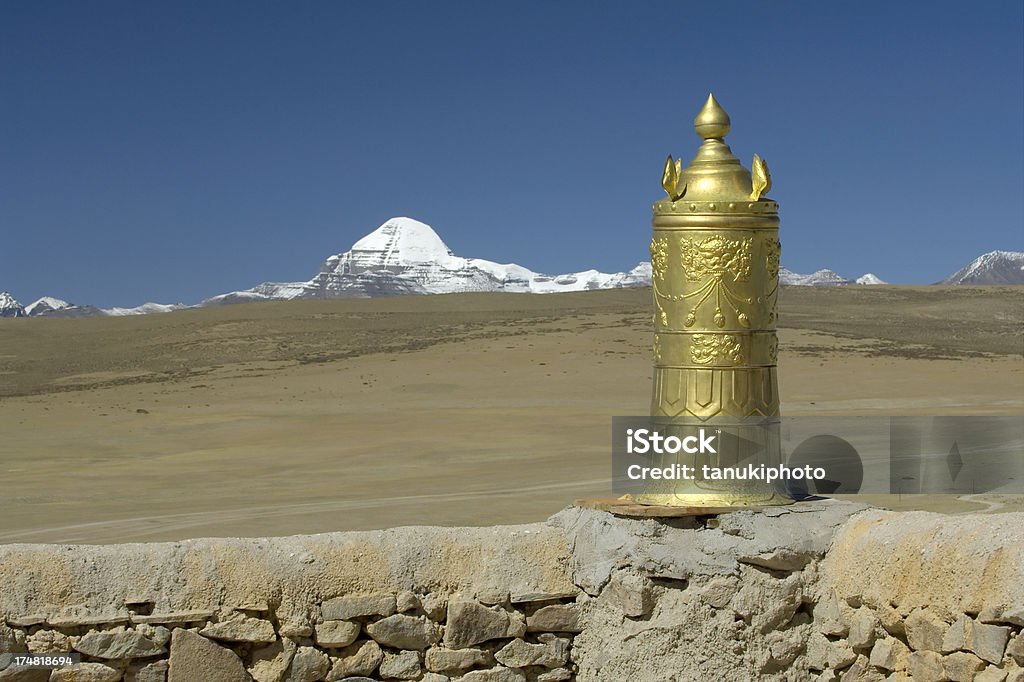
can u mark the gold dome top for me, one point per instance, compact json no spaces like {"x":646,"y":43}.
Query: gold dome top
{"x":715,"y":179}
{"x":712,"y":122}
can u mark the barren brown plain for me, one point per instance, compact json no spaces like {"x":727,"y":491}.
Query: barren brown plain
{"x":469,"y":409}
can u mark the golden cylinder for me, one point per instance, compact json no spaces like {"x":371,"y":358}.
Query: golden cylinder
{"x":715,"y":280}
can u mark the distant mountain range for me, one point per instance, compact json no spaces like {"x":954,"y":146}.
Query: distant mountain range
{"x":824,"y":278}
{"x":54,"y":307}
{"x":404,"y":256}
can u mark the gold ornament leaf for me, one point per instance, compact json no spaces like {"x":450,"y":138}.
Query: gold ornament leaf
{"x":672,"y":179}
{"x":761,"y":178}
{"x":669,"y":177}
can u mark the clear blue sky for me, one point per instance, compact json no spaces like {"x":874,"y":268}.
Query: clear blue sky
{"x":170,"y":151}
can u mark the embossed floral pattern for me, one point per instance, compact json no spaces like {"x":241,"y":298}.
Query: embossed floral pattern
{"x":708,"y":348}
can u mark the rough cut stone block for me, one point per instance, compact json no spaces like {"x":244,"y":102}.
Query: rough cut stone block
{"x":241,"y":628}
{"x":841,"y":655}
{"x":525,"y":597}
{"x":12,"y":640}
{"x":551,"y":653}
{"x":308,"y":665}
{"x":294,"y":630}
{"x":455,"y":661}
{"x":890,"y":654}
{"x":86,"y":672}
{"x":435,"y":606}
{"x":779,"y":558}
{"x":720,"y":591}
{"x":634,"y":592}
{"x":818,"y":648}
{"x":175,"y":617}
{"x":1016,"y":649}
{"x":406,"y":601}
{"x":555,"y":618}
{"x":355,"y":660}
{"x":925,"y":630}
{"x":494,"y":675}
{"x":269,"y":663}
{"x":17,"y":673}
{"x":434,"y":677}
{"x":958,"y":635}
{"x":470,"y":623}
{"x":357,"y":605}
{"x":158,"y":633}
{"x":861,"y":671}
{"x":862,"y":628}
{"x":492,"y":597}
{"x":962,"y":666}
{"x":88,"y":621}
{"x":1003,"y":614}
{"x":890,"y":620}
{"x":828,"y":619}
{"x":784,"y":646}
{"x":988,"y":641}
{"x":404,"y":632}
{"x":117,"y":643}
{"x":337,"y":633}
{"x":405,"y":665}
{"x":991,"y":674}
{"x":150,"y":672}
{"x":47,"y":642}
{"x":194,"y":657}
{"x":558,"y":675}
{"x":926,"y":666}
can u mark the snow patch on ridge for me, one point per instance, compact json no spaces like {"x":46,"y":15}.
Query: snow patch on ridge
{"x":145,"y":309}
{"x":821,"y":278}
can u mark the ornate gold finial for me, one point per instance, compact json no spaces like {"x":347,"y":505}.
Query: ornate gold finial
{"x":672,"y":179}
{"x":761,"y":179}
{"x":712,"y":123}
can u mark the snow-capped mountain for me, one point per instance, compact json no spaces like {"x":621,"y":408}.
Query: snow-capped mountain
{"x":405,"y":256}
{"x":821,"y":278}
{"x":10,"y":307}
{"x":824,"y":278}
{"x":994,"y":267}
{"x":45,"y":305}
{"x":145,"y":309}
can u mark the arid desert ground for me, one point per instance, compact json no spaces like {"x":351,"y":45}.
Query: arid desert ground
{"x":470,"y":409}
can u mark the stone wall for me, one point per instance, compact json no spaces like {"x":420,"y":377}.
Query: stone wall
{"x":828,"y":591}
